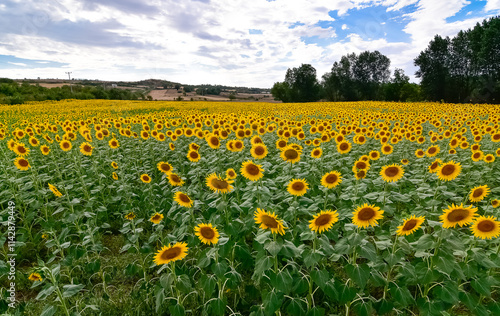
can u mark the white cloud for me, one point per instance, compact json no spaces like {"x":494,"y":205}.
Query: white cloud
{"x":17,"y":64}
{"x":492,"y":5}
{"x":345,"y":27}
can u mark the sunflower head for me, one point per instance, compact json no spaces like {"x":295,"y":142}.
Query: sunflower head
{"x":486,"y":227}
{"x":259,"y":151}
{"x":268,"y":220}
{"x":344,"y":147}
{"x":113,"y":143}
{"x":35,"y":277}
{"x":331,"y":179}
{"x":164,"y":167}
{"x":290,"y":154}
{"x":367,"y":215}
{"x":323,"y":221}
{"x":392,"y":173}
{"x":156,"y":218}
{"x":170,"y":253}
{"x":317,"y":152}
{"x":297,"y":187}
{"x":130,"y":216}
{"x":479,"y":193}
{"x":115,"y":176}
{"x":175,"y":180}
{"x":183,"y":199}
{"x":86,"y":149}
{"x":207,"y":233}
{"x":458,"y":215}
{"x":231,"y":174}
{"x":218,"y":184}
{"x":55,"y":190}
{"x":145,"y":178}
{"x":410,"y":225}
{"x":374,"y":155}
{"x":495,"y":203}
{"x":449,"y":171}
{"x":251,"y":171}
{"x":114,"y":165}
{"x":21,"y":163}
{"x":193,"y":155}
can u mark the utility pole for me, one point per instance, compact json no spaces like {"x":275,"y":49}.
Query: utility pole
{"x":69,"y":76}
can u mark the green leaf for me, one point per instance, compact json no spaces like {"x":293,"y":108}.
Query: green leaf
{"x":296,"y":307}
{"x":159,"y":299}
{"x":71,"y":289}
{"x":316,"y":311}
{"x":208,"y":284}
{"x":320,"y":277}
{"x":177,"y":310}
{"x":345,"y":293}
{"x":447,"y":292}
{"x":311,"y":258}
{"x":383,"y":306}
{"x":261,"y":265}
{"x":401,"y":294}
{"x":282,"y":281}
{"x":274,"y":247}
{"x":290,"y":250}
{"x":482,"y":286}
{"x":363,"y":307}
{"x":217,"y":306}
{"x":48,"y":310}
{"x":359,"y":273}
{"x":368,"y":251}
{"x":219,"y":269}
{"x":425,"y":242}
{"x":47,"y":290}
{"x":272,"y":301}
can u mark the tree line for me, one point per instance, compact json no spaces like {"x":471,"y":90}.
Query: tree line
{"x":13,"y":93}
{"x":465,"y":68}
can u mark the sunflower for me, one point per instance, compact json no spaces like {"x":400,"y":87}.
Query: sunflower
{"x":218,"y":185}
{"x":259,"y":151}
{"x":268,"y":220}
{"x":156,"y":218}
{"x":145,"y":178}
{"x":449,"y":171}
{"x":20,"y":149}
{"x":495,"y":203}
{"x":86,"y":149}
{"x":171,"y":146}
{"x":164,"y":167}
{"x":212,"y":141}
{"x":207,"y":233}
{"x":479,"y":193}
{"x":419,"y":153}
{"x":281,"y":144}
{"x":405,"y":161}
{"x":65,"y":145}
{"x":113,"y":144}
{"x":460,"y":215}
{"x":193,"y":156}
{"x":183,"y":199}
{"x":114,"y":165}
{"x":344,"y":147}
{"x":297,"y":187}
{"x":130,"y":216}
{"x":317,"y":152}
{"x":46,"y":150}
{"x":331,"y":179}
{"x":361,"y":174}
{"x":251,"y":171}
{"x":21,"y":163}
{"x":486,"y":227}
{"x":489,"y":158}
{"x":35,"y":277}
{"x":323,"y":221}
{"x":170,"y":253}
{"x":360,"y":165}
{"x":432,"y":151}
{"x":374,"y":155}
{"x":115,"y":176}
{"x":55,"y":190}
{"x":387,"y":149}
{"x":290,"y":154}
{"x":367,"y":215}
{"x":174,"y":180}
{"x":392,"y":173}
{"x":410,"y":225}
{"x":231,"y":174}
{"x":433,"y":168}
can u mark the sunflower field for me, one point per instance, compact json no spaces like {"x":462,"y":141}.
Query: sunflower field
{"x":206,"y":208}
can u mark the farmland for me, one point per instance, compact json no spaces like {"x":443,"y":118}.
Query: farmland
{"x":216,"y":208}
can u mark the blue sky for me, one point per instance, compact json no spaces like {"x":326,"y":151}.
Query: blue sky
{"x":244,"y":43}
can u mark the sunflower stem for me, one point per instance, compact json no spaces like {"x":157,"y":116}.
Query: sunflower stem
{"x":390,"y":270}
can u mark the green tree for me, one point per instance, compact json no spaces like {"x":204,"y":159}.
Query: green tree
{"x":300,"y":85}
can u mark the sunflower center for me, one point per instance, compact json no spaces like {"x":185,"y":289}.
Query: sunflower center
{"x":477,"y":155}
{"x":87,"y":148}
{"x":282,"y":144}
{"x":458,"y":215}
{"x":432,"y":150}
{"x":485,"y":226}
{"x":434,"y":165}
{"x":496,"y":136}
{"x":184,"y":198}
{"x":374,"y":155}
{"x":391,"y":172}
{"x":366,"y":213}
{"x":156,"y":218}
{"x":331,"y":178}
{"x":298,"y":186}
{"x":22,"y":150}
{"x":193,"y":154}
{"x":343,"y":146}
{"x":165,"y":167}
{"x":259,"y":150}
{"x":361,"y":165}
{"x":231,"y":173}
{"x":269,"y":221}
{"x":66,"y":145}
{"x":171,"y":253}
{"x":252,"y":169}
{"x":316,"y":153}
{"x":219,"y":184}
{"x":477,"y":193}
{"x":23,"y":163}
{"x":448,"y":170}
{"x":291,"y":154}
{"x":238,"y":145}
{"x":175,"y":178}
{"x":409,"y":225}
{"x":214,"y":141}
{"x":323,"y":219}
{"x":387,"y":148}
{"x":207,"y":232}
